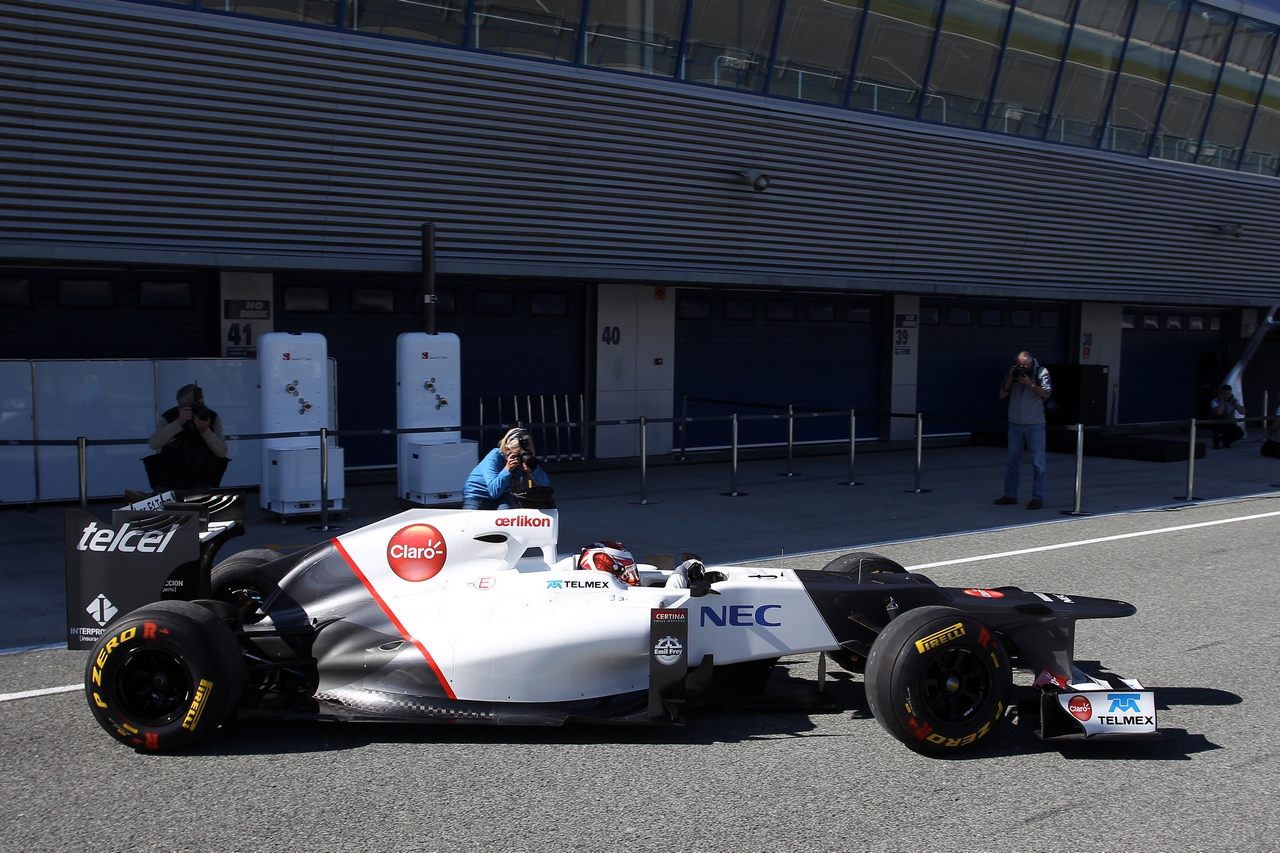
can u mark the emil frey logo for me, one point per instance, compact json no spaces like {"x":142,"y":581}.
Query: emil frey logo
{"x":416,"y":552}
{"x":1080,"y":708}
{"x":668,"y":651}
{"x":1121,"y":702}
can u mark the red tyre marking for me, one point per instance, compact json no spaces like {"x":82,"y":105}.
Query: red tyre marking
{"x":394,"y":621}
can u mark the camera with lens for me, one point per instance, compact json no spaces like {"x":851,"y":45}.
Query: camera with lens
{"x":202,"y":412}
{"x":525,"y":455}
{"x":1017,"y":372}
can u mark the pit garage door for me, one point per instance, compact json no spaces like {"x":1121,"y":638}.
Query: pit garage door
{"x":755,"y":353}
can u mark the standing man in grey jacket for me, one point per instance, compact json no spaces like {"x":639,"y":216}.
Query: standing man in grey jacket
{"x":1027,"y":386}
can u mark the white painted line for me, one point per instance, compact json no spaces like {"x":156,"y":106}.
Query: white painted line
{"x":48,"y":691}
{"x":1080,"y":542}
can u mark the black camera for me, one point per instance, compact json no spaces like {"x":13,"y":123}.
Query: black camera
{"x":1017,"y":372}
{"x":526,"y":457}
{"x":201,"y":412}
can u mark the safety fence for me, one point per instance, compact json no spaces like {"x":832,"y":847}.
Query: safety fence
{"x":1080,"y":431}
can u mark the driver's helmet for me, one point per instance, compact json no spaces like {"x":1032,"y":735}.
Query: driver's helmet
{"x":611,"y":557}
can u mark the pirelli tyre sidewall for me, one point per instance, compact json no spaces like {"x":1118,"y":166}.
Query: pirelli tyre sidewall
{"x":164,"y":676}
{"x":938,"y":679}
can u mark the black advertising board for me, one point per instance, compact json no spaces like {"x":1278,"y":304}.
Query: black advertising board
{"x":668,"y":662}
{"x":115,"y":568}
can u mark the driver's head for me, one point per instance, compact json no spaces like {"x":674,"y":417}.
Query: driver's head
{"x":611,"y":557}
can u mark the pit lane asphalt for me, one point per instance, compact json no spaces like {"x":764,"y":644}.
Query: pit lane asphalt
{"x":1205,"y":637}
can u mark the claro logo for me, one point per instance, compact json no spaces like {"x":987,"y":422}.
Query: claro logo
{"x":416,"y":552}
{"x":125,"y":539}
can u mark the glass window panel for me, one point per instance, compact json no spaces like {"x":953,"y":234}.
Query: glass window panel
{"x":494,"y":303}
{"x":968,"y":52}
{"x":1215,"y":324}
{"x":1172,"y":322}
{"x":822,"y":312}
{"x":1127,"y":321}
{"x":446,"y":302}
{"x":895,"y":53}
{"x":427,"y":20}
{"x":1019,"y":318}
{"x":1194,"y":77}
{"x":1092,"y":61}
{"x":86,"y":294}
{"x":990,"y":316}
{"x":374,"y":300}
{"x":1049,"y":319}
{"x":780,"y":309}
{"x":958,"y":317}
{"x":549,"y":305}
{"x":740,"y":309}
{"x":164,"y":294}
{"x":542,"y":28}
{"x":15,"y":292}
{"x":855,"y":314}
{"x":1037,"y":40}
{"x":1195,"y":324}
{"x":635,"y":35}
{"x":1147,"y":62}
{"x":815,"y":50}
{"x":311,"y":11}
{"x":1242,"y":76}
{"x":729,"y":42}
{"x":695,"y":308}
{"x":1262,"y":151}
{"x":308,"y":299}
{"x":1150,"y":321}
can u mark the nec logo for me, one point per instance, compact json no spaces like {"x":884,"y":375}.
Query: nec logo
{"x":738,"y":616}
{"x":1121,"y":702}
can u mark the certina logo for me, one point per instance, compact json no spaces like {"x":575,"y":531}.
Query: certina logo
{"x":523,"y":521}
{"x":941,"y":638}
{"x":1121,"y":702}
{"x":564,"y":584}
{"x":670,"y":615}
{"x":1080,"y":707}
{"x":739,"y":616}
{"x":417,"y":552}
{"x":668,"y":651}
{"x":127,"y":538}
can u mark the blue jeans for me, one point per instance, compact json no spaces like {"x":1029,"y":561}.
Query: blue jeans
{"x":504,"y":502}
{"x":1033,"y":436}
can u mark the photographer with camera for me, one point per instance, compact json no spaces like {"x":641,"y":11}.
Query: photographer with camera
{"x":1027,"y":386}
{"x":1224,"y":406}
{"x":192,"y":453}
{"x":510,"y":469}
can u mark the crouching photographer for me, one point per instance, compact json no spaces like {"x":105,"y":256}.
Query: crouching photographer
{"x":509,"y":477}
{"x":192,"y":453}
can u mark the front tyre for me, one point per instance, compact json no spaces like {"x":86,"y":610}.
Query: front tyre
{"x":164,"y":676}
{"x":938,"y":679}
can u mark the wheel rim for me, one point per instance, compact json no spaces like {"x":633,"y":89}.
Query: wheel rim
{"x":154,"y":686}
{"x":955,"y":685}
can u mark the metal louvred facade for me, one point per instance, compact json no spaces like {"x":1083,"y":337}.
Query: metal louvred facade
{"x":143,"y":134}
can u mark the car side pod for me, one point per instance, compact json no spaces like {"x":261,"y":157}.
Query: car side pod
{"x":1093,"y":709}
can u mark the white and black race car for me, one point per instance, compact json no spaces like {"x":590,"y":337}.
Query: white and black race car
{"x":450,"y":616}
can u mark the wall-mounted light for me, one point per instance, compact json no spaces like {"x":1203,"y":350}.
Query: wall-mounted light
{"x":1232,"y":229}
{"x":757,"y":179}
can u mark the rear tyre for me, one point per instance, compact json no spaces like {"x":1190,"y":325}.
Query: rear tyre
{"x":164,"y":676}
{"x":938,"y":679}
{"x":238,"y":581}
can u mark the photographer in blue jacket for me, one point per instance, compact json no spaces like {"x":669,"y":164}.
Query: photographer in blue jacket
{"x":509,"y":468}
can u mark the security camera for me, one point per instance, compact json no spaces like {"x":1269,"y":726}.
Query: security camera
{"x":758,"y":180}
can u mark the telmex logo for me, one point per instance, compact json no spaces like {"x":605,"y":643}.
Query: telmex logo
{"x":563,"y":584}
{"x":941,"y":638}
{"x":1121,"y":702}
{"x":125,"y":539}
{"x":1080,"y":708}
{"x":523,"y":521}
{"x":416,"y":552}
{"x":738,"y":615}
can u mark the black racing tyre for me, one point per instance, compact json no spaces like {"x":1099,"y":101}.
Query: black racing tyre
{"x":938,"y":679}
{"x":164,"y":676}
{"x":238,"y":581}
{"x":868,"y":562}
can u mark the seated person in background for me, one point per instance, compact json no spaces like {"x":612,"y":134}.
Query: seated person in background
{"x":511,"y":466}
{"x":1226,"y":405}
{"x":192,"y":452}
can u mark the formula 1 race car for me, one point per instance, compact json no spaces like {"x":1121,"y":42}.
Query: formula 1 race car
{"x":450,"y":616}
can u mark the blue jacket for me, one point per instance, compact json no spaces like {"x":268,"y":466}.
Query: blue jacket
{"x":491,"y":479}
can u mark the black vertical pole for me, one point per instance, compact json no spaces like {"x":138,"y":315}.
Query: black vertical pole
{"x":429,"y":277}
